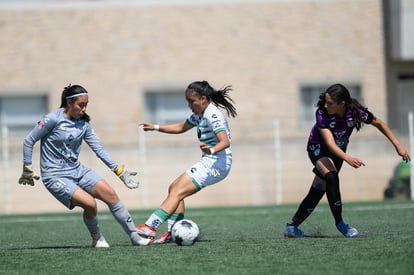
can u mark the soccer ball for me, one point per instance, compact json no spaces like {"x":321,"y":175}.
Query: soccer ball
{"x":185,"y":232}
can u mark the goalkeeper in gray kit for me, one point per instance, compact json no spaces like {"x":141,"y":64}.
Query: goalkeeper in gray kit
{"x":61,"y":133}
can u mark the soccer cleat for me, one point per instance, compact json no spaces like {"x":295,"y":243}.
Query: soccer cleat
{"x":292,"y":231}
{"x":146,"y":231}
{"x":165,"y":238}
{"x":142,"y":241}
{"x":346,"y":230}
{"x":101,"y":243}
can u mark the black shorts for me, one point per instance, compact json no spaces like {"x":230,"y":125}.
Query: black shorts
{"x":317,"y":151}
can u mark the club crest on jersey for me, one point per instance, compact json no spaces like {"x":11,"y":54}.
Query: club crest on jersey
{"x":316,"y":149}
{"x":71,"y":137}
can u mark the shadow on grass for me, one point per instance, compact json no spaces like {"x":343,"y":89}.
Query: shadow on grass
{"x":317,"y":236}
{"x":88,"y":246}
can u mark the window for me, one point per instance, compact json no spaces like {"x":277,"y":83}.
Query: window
{"x":20,"y":114}
{"x":166,"y":106}
{"x":309,"y":96}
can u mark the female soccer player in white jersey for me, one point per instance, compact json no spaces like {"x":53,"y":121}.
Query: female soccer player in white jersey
{"x":216,"y":159}
{"x":61,"y":133}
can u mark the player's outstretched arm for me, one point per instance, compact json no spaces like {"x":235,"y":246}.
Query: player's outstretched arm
{"x":175,"y":128}
{"x":386,"y":131}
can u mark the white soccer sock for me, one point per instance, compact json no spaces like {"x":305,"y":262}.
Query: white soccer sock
{"x":173,"y":219}
{"x":154,"y":221}
{"x":170,"y":225}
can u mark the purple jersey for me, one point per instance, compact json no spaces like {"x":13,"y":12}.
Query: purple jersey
{"x":341,"y":127}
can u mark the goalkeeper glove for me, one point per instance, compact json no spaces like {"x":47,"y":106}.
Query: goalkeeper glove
{"x":28,"y":176}
{"x":125,"y":176}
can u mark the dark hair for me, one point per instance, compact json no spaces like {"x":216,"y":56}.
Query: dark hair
{"x":69,"y":93}
{"x":220,"y":97}
{"x":340,"y":93}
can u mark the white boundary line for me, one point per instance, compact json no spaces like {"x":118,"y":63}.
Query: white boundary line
{"x":195,"y":213}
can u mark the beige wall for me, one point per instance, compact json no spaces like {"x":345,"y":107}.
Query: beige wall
{"x":266,"y":50}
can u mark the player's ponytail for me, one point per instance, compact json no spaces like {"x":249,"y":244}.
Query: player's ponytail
{"x":219,"y":97}
{"x":355,"y":106}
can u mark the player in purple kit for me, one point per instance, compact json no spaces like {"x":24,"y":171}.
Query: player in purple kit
{"x":336,"y":117}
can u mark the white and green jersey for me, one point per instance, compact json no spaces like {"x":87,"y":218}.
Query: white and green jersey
{"x":208,"y":125}
{"x":61,"y":140}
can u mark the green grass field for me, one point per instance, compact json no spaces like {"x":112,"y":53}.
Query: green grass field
{"x":234,"y":240}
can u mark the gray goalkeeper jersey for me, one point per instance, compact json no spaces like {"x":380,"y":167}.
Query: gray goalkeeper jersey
{"x":61,"y":141}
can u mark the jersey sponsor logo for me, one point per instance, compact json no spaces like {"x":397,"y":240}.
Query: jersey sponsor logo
{"x":67,"y":155}
{"x":69,"y":160}
{"x":340,"y":142}
{"x":214,"y":172}
{"x":339,"y":134}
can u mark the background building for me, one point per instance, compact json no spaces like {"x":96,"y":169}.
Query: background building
{"x":137,"y":57}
